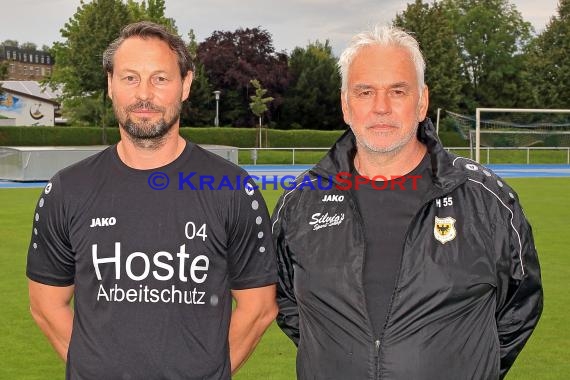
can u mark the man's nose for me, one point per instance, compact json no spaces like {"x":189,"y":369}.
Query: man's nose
{"x":382,"y":103}
{"x":144,"y":90}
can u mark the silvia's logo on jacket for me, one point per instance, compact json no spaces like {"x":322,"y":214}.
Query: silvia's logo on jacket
{"x":444,"y":229}
{"x":319,"y":220}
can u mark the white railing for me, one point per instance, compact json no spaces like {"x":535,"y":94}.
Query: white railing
{"x":527,"y":149}
{"x":254,"y":152}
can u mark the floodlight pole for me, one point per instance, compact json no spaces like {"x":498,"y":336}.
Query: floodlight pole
{"x":217,"y":118}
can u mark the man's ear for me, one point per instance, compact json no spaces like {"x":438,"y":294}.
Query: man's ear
{"x":186,"y":83}
{"x":109,"y":87}
{"x":423,"y":104}
{"x":345,"y":107}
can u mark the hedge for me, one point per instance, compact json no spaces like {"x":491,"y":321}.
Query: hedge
{"x":238,"y":137}
{"x":55,"y":136}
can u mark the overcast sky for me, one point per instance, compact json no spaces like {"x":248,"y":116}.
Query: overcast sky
{"x":291,"y":22}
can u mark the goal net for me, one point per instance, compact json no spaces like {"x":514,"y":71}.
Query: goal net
{"x":504,"y":128}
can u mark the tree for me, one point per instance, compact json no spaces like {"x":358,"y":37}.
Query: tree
{"x":192,"y":44}
{"x":3,"y":70}
{"x":232,"y":59}
{"x":433,"y":27}
{"x":78,"y":59}
{"x":548,"y":57}
{"x":312,"y":100}
{"x":492,"y":35}
{"x":151,"y":10}
{"x":3,"y":73}
{"x":474,"y":51}
{"x":197,"y":109}
{"x":259,"y":103}
{"x":4,"y":64}
{"x":87,"y":34}
{"x":82,"y":110}
{"x":29,"y":46}
{"x":13,"y":43}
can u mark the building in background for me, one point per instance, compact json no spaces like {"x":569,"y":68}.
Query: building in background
{"x":27,"y":103}
{"x":24,"y":64}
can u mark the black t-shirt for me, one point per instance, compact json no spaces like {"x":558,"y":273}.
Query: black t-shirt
{"x":387,"y":208}
{"x":152,"y":268}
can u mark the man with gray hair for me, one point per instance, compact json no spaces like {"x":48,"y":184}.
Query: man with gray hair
{"x":397,"y":259}
{"x":151,"y":260}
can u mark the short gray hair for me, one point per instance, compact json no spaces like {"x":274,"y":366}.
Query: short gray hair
{"x":147,"y":29}
{"x":382,"y":36}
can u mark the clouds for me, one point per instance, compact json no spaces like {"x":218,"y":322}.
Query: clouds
{"x":292,"y":23}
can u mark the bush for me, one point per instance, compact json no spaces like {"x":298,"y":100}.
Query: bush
{"x":238,"y":137}
{"x":55,"y":136}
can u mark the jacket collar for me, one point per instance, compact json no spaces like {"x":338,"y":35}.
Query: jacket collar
{"x":340,"y":158}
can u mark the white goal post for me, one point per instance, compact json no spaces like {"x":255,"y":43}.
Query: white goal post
{"x":504,"y":110}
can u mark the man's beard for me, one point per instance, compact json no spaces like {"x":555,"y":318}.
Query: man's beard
{"x":392,"y":149}
{"x":147,"y":134}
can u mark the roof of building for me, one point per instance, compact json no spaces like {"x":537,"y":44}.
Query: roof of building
{"x":31,"y":88}
{"x":21,"y":52}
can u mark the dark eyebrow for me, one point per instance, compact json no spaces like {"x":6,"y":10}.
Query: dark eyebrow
{"x":133,"y":71}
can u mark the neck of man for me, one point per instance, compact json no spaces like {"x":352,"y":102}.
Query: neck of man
{"x":150,"y":154}
{"x":397,"y":163}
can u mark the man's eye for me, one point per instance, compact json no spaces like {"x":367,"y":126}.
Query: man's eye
{"x":398,"y":92}
{"x":130,"y":79}
{"x":160,"y":80}
{"x":365,"y":93}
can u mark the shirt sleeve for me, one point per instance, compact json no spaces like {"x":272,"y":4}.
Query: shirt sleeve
{"x":251,"y":254}
{"x":50,"y":257}
{"x":520,"y":300}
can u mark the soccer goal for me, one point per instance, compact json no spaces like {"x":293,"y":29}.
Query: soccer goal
{"x":521,"y":128}
{"x":511,"y":134}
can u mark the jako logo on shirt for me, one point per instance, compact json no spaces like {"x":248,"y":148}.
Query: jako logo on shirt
{"x":333,"y":198}
{"x":319,"y":220}
{"x":103,"y":222}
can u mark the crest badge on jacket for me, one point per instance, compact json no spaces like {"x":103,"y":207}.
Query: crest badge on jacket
{"x":444,"y":229}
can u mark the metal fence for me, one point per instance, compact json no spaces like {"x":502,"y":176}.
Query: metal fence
{"x":486,"y":152}
{"x":254,"y":154}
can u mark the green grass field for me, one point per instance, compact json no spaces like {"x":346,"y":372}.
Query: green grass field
{"x":26,"y":354}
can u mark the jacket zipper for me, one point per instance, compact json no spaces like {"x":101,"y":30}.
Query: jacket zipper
{"x":355,"y":208}
{"x":378,"y":342}
{"x":377,"y":358}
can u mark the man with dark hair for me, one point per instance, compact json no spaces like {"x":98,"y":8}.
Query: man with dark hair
{"x":152,"y":273}
{"x":413,"y":263}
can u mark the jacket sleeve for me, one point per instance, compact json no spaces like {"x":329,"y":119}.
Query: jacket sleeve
{"x":288,"y":315}
{"x":520,"y":295}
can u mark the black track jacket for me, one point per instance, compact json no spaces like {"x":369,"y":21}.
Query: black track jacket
{"x":468,"y":293}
